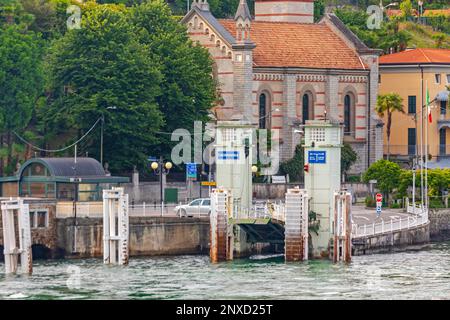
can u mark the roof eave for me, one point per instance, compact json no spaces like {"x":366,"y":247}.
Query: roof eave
{"x":213,"y":23}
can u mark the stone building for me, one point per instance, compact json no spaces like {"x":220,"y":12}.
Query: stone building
{"x":279,"y":68}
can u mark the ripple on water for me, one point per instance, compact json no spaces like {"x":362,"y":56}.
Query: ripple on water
{"x":408,"y":275}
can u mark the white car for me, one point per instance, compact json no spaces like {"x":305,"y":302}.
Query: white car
{"x":197,"y":207}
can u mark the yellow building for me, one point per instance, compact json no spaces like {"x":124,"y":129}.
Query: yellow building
{"x":409,"y":73}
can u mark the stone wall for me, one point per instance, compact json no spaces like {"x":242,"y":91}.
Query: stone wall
{"x":439,"y":224}
{"x":406,"y":239}
{"x":43,"y":240}
{"x":148,"y":236}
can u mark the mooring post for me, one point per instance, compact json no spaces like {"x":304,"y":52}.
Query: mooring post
{"x":11,"y":251}
{"x":296,"y":225}
{"x":342,"y":227}
{"x":221,"y":233}
{"x":115,"y":237}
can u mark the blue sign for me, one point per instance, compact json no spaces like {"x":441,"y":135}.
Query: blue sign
{"x":378,"y":210}
{"x":191,"y":170}
{"x":317,"y":156}
{"x":152,"y":159}
{"x":228,"y":155}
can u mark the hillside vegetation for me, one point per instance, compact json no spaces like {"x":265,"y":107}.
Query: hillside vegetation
{"x":422,"y":36}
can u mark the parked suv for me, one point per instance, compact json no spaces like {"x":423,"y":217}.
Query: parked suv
{"x":197,"y":207}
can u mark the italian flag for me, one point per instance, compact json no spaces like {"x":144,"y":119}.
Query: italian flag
{"x":430,"y":119}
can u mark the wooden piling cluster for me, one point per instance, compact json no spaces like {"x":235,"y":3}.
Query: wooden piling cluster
{"x":12,"y":210}
{"x":115,"y":236}
{"x":221,"y":232}
{"x":342,"y":242}
{"x":296,"y":225}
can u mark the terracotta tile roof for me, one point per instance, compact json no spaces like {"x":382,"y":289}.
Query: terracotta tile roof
{"x":430,"y":13}
{"x":283,"y":44}
{"x":398,"y":12}
{"x":420,"y":55}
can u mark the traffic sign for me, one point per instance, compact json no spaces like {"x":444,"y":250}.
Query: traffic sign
{"x":378,"y":209}
{"x":228,"y":155}
{"x":209,"y":183}
{"x":317,"y":156}
{"x":191,"y":170}
{"x":379,"y":197}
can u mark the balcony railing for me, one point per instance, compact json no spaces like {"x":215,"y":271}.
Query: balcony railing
{"x":437,"y":150}
{"x":405,"y":150}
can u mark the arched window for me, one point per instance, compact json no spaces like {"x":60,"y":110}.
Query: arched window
{"x":307,"y":107}
{"x":262,"y":111}
{"x":348,"y":114}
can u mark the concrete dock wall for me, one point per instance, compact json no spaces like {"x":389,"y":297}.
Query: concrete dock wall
{"x":149,"y":236}
{"x":406,"y":239}
{"x":439,"y":224}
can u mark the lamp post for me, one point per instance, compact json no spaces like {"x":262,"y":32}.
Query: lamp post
{"x":102,"y":130}
{"x":388,"y":5}
{"x":160,"y":168}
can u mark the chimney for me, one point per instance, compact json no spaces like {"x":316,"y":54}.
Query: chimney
{"x":299,"y":11}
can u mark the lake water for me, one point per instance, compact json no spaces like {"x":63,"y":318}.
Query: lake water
{"x":407,"y":275}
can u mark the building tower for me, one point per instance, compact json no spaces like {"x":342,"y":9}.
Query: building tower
{"x":243,"y":63}
{"x":300,"y":11}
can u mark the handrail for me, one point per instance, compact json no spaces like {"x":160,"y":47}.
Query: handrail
{"x":419,"y":219}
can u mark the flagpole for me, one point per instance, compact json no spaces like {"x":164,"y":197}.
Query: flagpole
{"x":421,"y":145}
{"x":429,"y":119}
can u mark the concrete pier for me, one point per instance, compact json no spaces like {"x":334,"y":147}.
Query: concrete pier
{"x":221,"y":234}
{"x":296,"y":225}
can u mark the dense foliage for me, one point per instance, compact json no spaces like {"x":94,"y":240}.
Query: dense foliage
{"x":131,"y":63}
{"x":391,"y":180}
{"x":294,"y":166}
{"x":386,"y":173}
{"x":20,"y":81}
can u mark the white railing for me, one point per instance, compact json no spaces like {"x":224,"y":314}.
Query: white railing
{"x":95,"y":210}
{"x":420,"y":218}
{"x":261,"y":210}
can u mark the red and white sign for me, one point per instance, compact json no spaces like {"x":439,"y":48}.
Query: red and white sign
{"x":379,"y":197}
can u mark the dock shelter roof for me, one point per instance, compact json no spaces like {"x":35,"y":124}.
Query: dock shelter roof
{"x":81,"y":170}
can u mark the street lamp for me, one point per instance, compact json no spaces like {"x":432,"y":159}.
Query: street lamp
{"x":160,"y":168}
{"x":386,"y":6}
{"x":101,"y":135}
{"x":269,"y":114}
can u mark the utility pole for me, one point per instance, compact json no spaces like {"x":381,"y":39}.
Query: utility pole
{"x":101,"y":139}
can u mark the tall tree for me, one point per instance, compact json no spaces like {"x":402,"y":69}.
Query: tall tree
{"x":101,"y":70}
{"x":388,"y":104}
{"x":188,"y":89}
{"x":20,"y":80}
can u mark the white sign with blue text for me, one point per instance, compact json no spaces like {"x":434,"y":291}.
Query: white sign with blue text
{"x":228,"y":155}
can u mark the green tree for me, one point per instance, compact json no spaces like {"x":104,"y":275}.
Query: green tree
{"x":386,"y":173}
{"x":188,"y":89}
{"x":99,"y":67}
{"x":406,"y":8}
{"x":388,"y":104}
{"x":439,"y":39}
{"x":348,"y":158}
{"x":294,"y":166}
{"x":20,"y":86}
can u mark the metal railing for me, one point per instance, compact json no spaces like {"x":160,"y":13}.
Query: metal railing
{"x":419,"y":217}
{"x":404,"y":150}
{"x":261,"y":210}
{"x":95,"y":209}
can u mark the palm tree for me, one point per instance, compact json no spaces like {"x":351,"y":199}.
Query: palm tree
{"x":389,"y":103}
